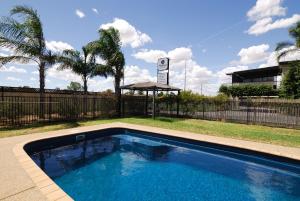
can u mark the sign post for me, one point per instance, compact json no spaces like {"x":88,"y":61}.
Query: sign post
{"x":163,"y":71}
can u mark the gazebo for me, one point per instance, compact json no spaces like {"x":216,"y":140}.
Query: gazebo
{"x":153,"y":87}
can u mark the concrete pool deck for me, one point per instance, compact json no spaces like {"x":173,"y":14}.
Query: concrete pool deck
{"x":22,"y":179}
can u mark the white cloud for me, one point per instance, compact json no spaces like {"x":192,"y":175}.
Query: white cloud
{"x":35,"y":72}
{"x":150,"y":56}
{"x":266,"y":24}
{"x":79,"y":13}
{"x":66,"y":75}
{"x":272,"y":59}
{"x":266,"y":8}
{"x":129,"y":34}
{"x":33,"y":79}
{"x":95,"y":10}
{"x":13,"y":79}
{"x":176,"y":55}
{"x":134,"y":74}
{"x":12,"y":69}
{"x":254,"y":54}
{"x":58,"y":46}
{"x":181,"y":53}
{"x":4,"y":52}
{"x":222,"y":74}
{"x":262,"y":14}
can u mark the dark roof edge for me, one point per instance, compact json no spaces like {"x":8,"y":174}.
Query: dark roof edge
{"x":255,"y":69}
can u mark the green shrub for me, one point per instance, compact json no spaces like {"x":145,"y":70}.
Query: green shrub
{"x":249,"y":90}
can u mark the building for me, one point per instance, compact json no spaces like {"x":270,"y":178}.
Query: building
{"x":267,"y":76}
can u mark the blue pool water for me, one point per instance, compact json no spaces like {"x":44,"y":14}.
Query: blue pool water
{"x":132,"y":167}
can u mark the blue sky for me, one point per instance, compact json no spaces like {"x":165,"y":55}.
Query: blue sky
{"x":213,"y":37}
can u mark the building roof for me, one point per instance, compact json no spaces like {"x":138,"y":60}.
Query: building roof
{"x":268,"y":71}
{"x":147,"y":86}
{"x":274,"y":70}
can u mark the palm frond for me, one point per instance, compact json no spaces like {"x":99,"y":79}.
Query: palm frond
{"x":20,"y":59}
{"x":72,"y":54}
{"x":100,"y":70}
{"x":32,"y":23}
{"x":49,"y":58}
{"x":65,"y":62}
{"x":19,"y":47}
{"x":283,"y":45}
{"x":12,"y":29}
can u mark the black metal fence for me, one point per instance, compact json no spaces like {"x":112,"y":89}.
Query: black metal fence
{"x":271,"y":113}
{"x":20,"y":110}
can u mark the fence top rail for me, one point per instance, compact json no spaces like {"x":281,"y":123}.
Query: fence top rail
{"x":16,"y":102}
{"x":51,"y":91}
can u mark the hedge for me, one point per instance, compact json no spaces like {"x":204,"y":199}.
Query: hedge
{"x":249,"y":90}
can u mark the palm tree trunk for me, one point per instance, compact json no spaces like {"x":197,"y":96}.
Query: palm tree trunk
{"x":85,"y":85}
{"x":42,"y":90}
{"x":85,"y":95}
{"x":118,"y":95}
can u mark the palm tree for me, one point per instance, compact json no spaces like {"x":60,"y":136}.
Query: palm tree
{"x":83,"y":65}
{"x":294,"y":32}
{"x":26,"y":39}
{"x":108,"y":47}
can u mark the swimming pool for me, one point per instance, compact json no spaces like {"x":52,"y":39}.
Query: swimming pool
{"x":128,"y":165}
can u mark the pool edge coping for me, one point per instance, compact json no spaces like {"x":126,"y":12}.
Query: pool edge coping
{"x":53,"y":192}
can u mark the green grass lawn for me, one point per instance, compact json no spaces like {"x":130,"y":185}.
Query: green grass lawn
{"x":280,"y":136}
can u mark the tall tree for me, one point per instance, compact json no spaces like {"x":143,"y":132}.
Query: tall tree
{"x":83,"y":65}
{"x":284,"y":48}
{"x":108,"y":47}
{"x":290,"y":87}
{"x":24,"y":35}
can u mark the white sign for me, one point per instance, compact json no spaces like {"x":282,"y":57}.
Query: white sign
{"x":163,"y":64}
{"x":162,"y":78}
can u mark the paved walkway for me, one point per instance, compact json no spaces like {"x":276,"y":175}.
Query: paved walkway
{"x":18,"y":183}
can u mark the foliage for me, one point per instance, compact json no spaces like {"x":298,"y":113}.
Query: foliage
{"x":284,"y":48}
{"x":248,"y":90}
{"x":83,"y":64}
{"x":290,"y":87}
{"x":191,"y":102}
{"x":107,"y":93}
{"x":75,"y":86}
{"x":224,"y":90}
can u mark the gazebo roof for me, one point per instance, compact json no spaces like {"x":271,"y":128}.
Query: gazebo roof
{"x":147,"y":86}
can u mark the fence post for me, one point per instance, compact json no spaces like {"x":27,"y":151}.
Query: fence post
{"x":178,"y":102}
{"x":146,"y":104}
{"x":202,"y":109}
{"x":94,"y":107}
{"x":247,"y":111}
{"x":123,"y":106}
{"x":50,"y":107}
{"x":2,"y":93}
